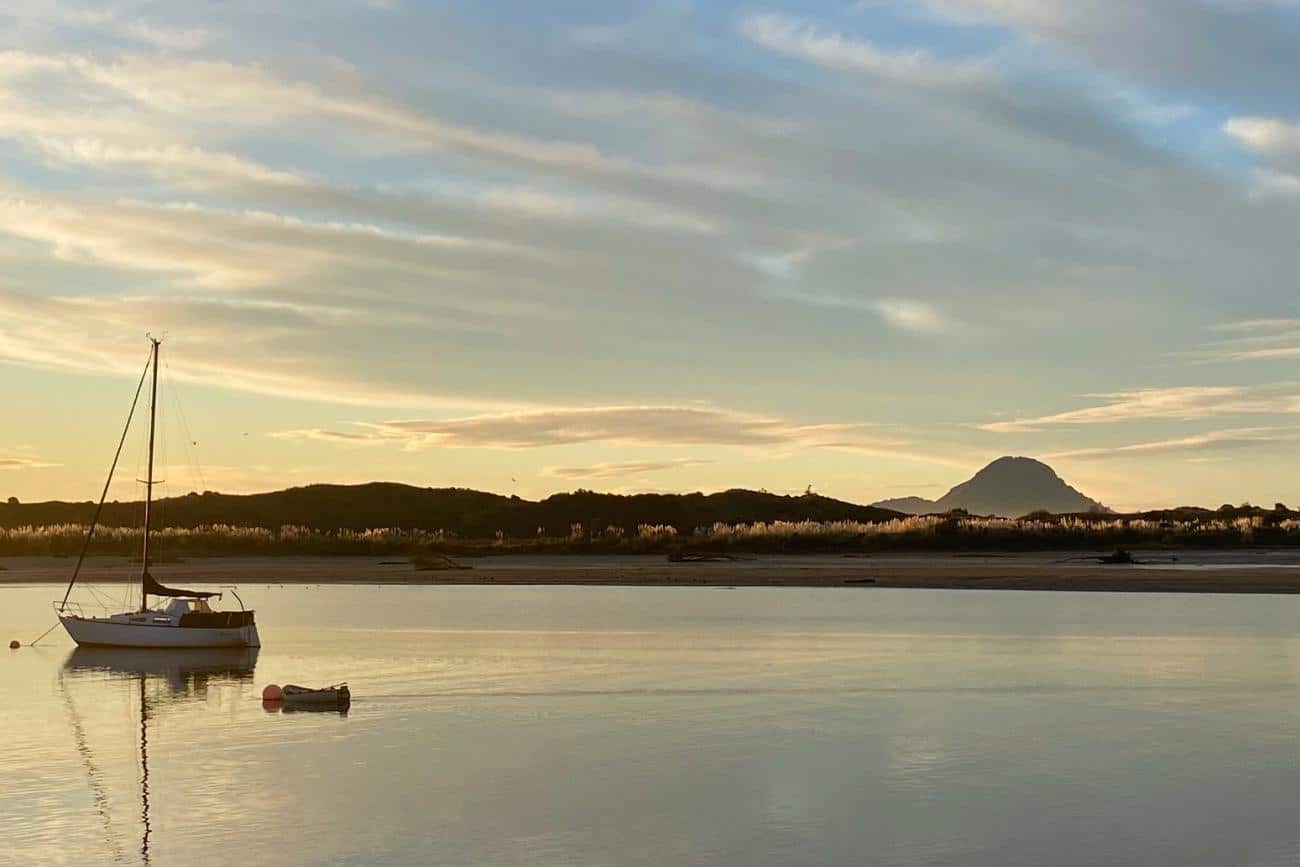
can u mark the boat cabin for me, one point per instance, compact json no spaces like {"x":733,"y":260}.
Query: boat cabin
{"x":180,"y":607}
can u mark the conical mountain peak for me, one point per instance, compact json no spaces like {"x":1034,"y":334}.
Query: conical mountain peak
{"x":1010,"y":486}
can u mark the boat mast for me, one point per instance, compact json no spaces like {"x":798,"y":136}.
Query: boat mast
{"x":103,"y":497}
{"x":148,"y":484}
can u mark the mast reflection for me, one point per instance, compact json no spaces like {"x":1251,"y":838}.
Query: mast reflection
{"x":184,"y":673}
{"x":144,"y":774}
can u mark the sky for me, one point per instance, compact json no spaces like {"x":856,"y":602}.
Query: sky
{"x":529,"y":247}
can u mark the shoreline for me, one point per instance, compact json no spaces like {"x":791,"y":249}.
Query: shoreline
{"x":1259,"y":571}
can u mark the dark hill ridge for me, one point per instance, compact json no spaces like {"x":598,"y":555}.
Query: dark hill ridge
{"x":467,"y":513}
{"x":1010,"y":486}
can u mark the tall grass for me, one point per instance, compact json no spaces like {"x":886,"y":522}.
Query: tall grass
{"x":66,"y":539}
{"x":929,"y":532}
{"x":959,"y":531}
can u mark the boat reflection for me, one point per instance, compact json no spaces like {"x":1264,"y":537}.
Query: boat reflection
{"x":288,"y":709}
{"x":184,"y":674}
{"x":186,"y":671}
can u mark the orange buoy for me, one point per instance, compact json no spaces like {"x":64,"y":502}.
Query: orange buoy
{"x":14,"y":645}
{"x":272,"y":692}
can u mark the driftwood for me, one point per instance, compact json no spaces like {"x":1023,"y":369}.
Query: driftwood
{"x":1120,"y":557}
{"x":703,"y":557}
{"x":435,"y":563}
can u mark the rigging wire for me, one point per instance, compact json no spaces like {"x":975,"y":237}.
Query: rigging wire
{"x":145,"y":495}
{"x":101,"y":599}
{"x":94,"y":521}
{"x":160,"y":502}
{"x":190,"y":444}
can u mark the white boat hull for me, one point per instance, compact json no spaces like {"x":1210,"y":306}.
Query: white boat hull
{"x":115,"y":633}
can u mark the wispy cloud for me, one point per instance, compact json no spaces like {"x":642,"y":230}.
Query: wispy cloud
{"x":1265,"y":135}
{"x":219,"y":248}
{"x":1253,"y":340}
{"x":800,"y":38}
{"x":106,"y":19}
{"x":915,"y":316}
{"x":253,"y":96}
{"x":156,"y":101}
{"x":912,"y":315}
{"x":189,"y":166}
{"x":665,"y":425}
{"x":252,"y":344}
{"x":1276,"y":143}
{"x":616,"y":425}
{"x":614,"y":469}
{"x":368,"y":438}
{"x":1234,"y":52}
{"x":1252,"y":325}
{"x":169,"y":38}
{"x":1211,"y":441}
{"x":15,"y":463}
{"x":1181,"y":403}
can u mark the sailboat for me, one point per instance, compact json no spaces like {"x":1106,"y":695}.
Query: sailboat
{"x":187,"y":620}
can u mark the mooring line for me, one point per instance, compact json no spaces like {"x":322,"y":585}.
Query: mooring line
{"x":43,"y":634}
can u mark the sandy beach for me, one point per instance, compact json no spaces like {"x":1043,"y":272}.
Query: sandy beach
{"x":1244,"y":571}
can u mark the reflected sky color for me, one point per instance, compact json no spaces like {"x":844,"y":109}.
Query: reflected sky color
{"x":702,"y":726}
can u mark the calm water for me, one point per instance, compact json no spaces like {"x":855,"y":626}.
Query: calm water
{"x":592,"y":725}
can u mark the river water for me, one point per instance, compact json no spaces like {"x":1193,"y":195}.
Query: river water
{"x":650,"y":726}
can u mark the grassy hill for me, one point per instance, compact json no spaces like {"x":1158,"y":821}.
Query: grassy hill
{"x":455,"y":511}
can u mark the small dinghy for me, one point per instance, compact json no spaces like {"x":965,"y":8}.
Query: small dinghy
{"x":335,"y":696}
